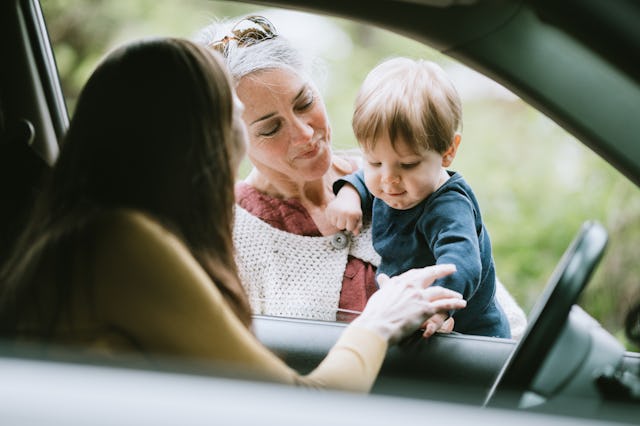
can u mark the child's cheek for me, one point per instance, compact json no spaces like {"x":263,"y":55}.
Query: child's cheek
{"x":370,"y":179}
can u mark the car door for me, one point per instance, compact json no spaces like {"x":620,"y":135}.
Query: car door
{"x":449,"y":367}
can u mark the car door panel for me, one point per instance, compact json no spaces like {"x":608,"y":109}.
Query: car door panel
{"x":456,"y":361}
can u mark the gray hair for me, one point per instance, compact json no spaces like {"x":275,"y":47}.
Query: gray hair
{"x":274,"y":53}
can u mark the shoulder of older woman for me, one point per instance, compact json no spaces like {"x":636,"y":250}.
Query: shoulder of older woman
{"x":345,"y":163}
{"x":284,"y":214}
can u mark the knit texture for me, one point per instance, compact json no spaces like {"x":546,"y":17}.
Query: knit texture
{"x":291,"y":275}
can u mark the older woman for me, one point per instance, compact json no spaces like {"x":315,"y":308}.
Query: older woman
{"x":292,"y":261}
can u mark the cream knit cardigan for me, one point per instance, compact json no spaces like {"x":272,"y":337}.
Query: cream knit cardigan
{"x":289,"y":275}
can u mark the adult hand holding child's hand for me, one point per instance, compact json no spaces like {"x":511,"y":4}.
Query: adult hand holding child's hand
{"x":406,"y":301}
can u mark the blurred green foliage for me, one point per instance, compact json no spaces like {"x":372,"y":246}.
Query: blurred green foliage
{"x":535,"y":182}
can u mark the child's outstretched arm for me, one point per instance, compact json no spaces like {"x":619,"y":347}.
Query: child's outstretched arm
{"x":345,"y":211}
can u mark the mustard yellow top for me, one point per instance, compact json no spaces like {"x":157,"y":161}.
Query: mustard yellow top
{"x":151,"y":296}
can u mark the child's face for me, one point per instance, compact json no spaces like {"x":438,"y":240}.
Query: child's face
{"x":400,"y":177}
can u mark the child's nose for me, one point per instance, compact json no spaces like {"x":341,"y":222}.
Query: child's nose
{"x":390,"y":177}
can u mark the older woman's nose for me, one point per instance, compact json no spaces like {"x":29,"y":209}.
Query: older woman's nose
{"x":302,"y":131}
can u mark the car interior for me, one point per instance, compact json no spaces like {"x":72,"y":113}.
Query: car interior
{"x":557,"y":65}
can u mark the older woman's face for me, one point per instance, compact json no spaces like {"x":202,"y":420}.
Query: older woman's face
{"x":289,"y":133}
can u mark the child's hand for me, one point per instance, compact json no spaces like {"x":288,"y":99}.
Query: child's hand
{"x":438,"y":323}
{"x":344,"y":212}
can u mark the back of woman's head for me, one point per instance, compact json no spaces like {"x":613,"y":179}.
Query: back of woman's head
{"x":154,"y":130}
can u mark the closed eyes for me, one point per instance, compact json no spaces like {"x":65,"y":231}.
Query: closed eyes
{"x":408,"y":166}
{"x":271,"y":130}
{"x":306,"y":102}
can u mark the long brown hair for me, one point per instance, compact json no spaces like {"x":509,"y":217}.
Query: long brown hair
{"x":154,"y":130}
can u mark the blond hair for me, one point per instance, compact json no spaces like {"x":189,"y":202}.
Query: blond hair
{"x":410,"y":99}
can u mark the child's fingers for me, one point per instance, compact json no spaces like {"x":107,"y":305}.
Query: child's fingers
{"x":331,"y":215}
{"x":343,"y":222}
{"x":354,"y":225}
{"x":447,"y":326}
{"x":429,"y":330}
{"x":438,"y":323}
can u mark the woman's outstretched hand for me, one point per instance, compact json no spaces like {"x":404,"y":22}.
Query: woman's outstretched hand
{"x":407,"y":301}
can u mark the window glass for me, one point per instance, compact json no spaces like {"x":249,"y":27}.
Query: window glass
{"x":536,"y":184}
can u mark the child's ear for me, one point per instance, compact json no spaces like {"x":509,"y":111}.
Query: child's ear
{"x":450,"y":154}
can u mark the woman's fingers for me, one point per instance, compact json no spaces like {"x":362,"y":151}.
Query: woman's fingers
{"x":434,"y":293}
{"x":406,"y":301}
{"x":443,"y":299}
{"x":450,"y":304}
{"x":424,"y":277}
{"x":428,"y":275}
{"x":383,"y":280}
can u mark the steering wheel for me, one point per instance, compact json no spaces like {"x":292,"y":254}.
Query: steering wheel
{"x":548,"y":316}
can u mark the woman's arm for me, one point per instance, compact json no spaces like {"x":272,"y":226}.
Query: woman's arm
{"x":149,"y":286}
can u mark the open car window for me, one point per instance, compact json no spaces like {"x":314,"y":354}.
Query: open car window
{"x":536,"y":183}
